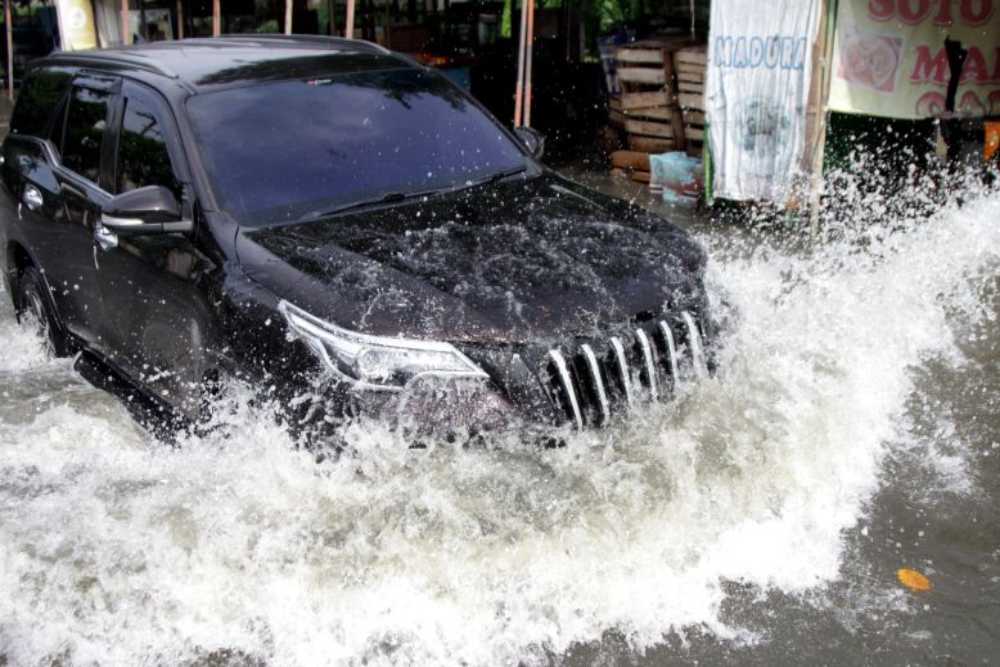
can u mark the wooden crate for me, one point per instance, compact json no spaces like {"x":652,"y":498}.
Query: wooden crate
{"x":648,"y":107}
{"x":616,"y":117}
{"x":690,"y":69}
{"x":631,"y":164}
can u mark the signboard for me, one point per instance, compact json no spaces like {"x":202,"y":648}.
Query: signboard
{"x":760,"y":62}
{"x":890,"y":60}
{"x":76,"y":24}
{"x":158,"y":25}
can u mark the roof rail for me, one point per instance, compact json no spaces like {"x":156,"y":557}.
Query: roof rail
{"x":113,"y":58}
{"x":328,"y":40}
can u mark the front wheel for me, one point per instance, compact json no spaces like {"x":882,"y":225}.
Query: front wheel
{"x":35,"y":312}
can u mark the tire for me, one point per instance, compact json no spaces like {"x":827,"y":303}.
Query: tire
{"x":35,"y":311}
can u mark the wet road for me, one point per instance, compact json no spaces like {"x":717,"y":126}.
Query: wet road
{"x":852,"y":430}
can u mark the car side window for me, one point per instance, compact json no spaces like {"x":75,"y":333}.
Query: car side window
{"x":86,"y":122}
{"x":143,"y":158}
{"x":40,"y":98}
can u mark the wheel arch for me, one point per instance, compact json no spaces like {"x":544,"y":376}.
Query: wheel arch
{"x":17,"y":259}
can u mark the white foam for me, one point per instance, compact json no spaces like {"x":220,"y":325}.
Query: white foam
{"x":120,"y":552}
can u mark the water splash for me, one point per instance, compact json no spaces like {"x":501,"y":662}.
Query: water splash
{"x":117,"y":551}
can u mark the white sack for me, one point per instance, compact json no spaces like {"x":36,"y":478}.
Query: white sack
{"x":759,"y":69}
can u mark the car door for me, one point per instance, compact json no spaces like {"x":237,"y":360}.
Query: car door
{"x":149,"y":284}
{"x":58,"y":185}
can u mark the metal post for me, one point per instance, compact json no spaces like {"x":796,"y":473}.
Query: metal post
{"x":8,"y":21}
{"x":180,"y":19}
{"x":349,"y":25}
{"x":288,"y":17}
{"x":527,"y":66}
{"x":126,"y":29}
{"x":519,"y":89}
{"x":216,"y":18}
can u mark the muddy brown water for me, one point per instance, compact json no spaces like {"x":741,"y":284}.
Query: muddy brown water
{"x":853,"y":429}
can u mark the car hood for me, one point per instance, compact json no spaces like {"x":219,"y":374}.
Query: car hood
{"x":528,"y":259}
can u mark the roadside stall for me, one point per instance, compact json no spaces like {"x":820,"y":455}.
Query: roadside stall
{"x":791,"y":86}
{"x":902,"y":74}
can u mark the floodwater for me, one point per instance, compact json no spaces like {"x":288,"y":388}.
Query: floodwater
{"x":853,"y":429}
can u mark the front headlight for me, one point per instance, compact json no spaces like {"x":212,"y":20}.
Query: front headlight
{"x":377,"y":362}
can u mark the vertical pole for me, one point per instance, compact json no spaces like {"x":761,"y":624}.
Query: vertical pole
{"x":332,"y":28}
{"x":349,"y":25}
{"x":180,"y":19}
{"x":692,"y":20}
{"x":824,"y":58}
{"x":8,"y":23}
{"x":519,"y":89}
{"x":216,"y":18}
{"x":143,"y":28}
{"x":126,"y":29}
{"x":527,"y":63}
{"x":288,"y":17}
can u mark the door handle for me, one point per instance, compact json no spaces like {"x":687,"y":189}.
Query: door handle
{"x":32,"y":198}
{"x":105,"y":238}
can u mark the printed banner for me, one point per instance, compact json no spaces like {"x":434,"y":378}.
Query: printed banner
{"x":890,"y":60}
{"x":76,"y":24}
{"x":760,"y":60}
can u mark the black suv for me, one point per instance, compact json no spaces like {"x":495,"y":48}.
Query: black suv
{"x":339,"y":225}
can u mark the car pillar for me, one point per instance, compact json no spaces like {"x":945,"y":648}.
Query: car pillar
{"x":10,"y":47}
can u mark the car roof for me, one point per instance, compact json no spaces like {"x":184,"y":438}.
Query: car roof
{"x":232,"y":60}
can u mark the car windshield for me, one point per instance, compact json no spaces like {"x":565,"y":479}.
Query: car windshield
{"x":290,"y":150}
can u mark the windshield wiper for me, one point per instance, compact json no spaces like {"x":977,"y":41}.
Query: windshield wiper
{"x":492,"y":178}
{"x":385,"y":198}
{"x":396,"y":197}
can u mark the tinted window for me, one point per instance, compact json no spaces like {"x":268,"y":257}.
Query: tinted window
{"x":88,"y":110}
{"x":37,"y":101}
{"x":284,"y":150}
{"x":142,"y":150}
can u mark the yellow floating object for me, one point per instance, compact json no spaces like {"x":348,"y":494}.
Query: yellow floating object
{"x":914,"y":580}
{"x":991,"y":146}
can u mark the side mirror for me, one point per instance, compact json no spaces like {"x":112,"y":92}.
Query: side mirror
{"x":532,"y":139}
{"x":149,"y":210}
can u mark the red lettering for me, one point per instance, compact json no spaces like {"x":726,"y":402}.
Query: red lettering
{"x":930,"y":104}
{"x":928,"y":69}
{"x":971,"y":104}
{"x":881,"y":10}
{"x":944,"y":13}
{"x":913,"y":14}
{"x":975,"y":67}
{"x":975,"y":12}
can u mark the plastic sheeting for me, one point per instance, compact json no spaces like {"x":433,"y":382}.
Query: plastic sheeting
{"x":759,"y":71}
{"x":678,"y":176}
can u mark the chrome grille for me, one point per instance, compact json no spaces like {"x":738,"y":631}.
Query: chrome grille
{"x":600,"y":378}
{"x":568,"y":386}
{"x":597,"y":381}
{"x":624,"y":374}
{"x":649,"y":365}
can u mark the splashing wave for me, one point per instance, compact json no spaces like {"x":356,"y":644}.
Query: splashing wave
{"x":118,"y":551}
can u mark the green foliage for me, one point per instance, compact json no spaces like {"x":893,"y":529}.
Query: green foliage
{"x":270,"y":25}
{"x":599,"y":16}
